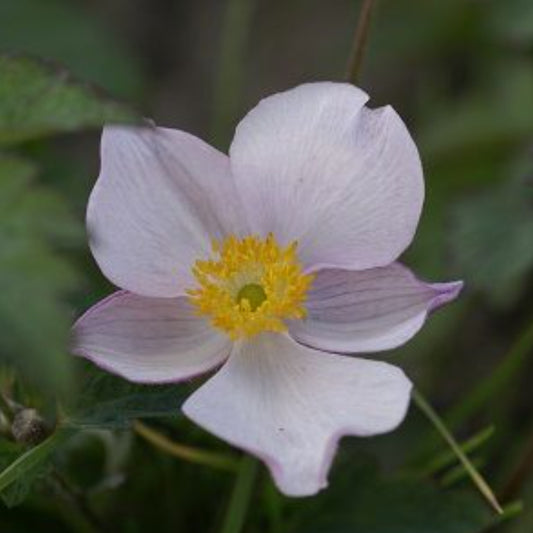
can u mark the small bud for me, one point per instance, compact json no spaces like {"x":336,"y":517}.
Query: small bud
{"x":29,"y":427}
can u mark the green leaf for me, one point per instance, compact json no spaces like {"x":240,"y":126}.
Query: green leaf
{"x":17,"y":478}
{"x":9,"y":451}
{"x":18,"y":490}
{"x":14,"y":494}
{"x":34,"y":278}
{"x":37,"y":99}
{"x":107,"y":401}
{"x":359,"y":500}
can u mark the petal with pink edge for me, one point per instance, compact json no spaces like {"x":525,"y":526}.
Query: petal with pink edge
{"x":368,"y":311}
{"x":313,"y":165}
{"x":161,"y":197}
{"x":148,"y":340}
{"x":290,"y":405}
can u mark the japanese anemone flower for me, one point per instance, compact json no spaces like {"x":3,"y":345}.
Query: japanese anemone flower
{"x":265,"y":265}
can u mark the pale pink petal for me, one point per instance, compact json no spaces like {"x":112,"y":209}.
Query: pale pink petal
{"x":312,"y":164}
{"x":148,"y":340}
{"x":290,"y":405}
{"x":161,"y":197}
{"x":369,"y":310}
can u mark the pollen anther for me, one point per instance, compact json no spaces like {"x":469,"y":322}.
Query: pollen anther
{"x":251,"y":285}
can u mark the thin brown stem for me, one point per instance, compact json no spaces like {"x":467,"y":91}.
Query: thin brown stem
{"x":360,"y":40}
{"x":236,"y":31}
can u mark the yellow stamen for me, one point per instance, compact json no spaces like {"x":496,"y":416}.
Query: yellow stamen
{"x":252,"y":285}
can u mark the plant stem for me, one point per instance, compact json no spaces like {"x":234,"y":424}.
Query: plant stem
{"x":439,"y":425}
{"x":241,"y":495}
{"x":188,"y":453}
{"x":448,"y":457}
{"x":497,"y":380}
{"x":360,"y":40}
{"x":230,"y":69}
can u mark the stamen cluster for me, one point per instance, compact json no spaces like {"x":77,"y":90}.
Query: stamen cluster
{"x":251,"y":286}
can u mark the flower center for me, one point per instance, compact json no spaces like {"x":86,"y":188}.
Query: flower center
{"x":250,"y":285}
{"x":254,"y":293}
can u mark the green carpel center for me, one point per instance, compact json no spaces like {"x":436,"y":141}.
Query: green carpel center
{"x":254,"y":293}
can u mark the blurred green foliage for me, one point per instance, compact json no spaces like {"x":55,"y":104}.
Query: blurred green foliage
{"x":22,"y":469}
{"x":461,"y":74}
{"x":106,"y":401}
{"x":69,"y":33}
{"x":489,"y":230}
{"x":362,"y":500}
{"x":37,"y":100}
{"x":34,"y":279}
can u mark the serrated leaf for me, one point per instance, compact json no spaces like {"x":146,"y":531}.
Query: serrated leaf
{"x":107,"y":401}
{"x":17,"y":478}
{"x":37,"y":99}
{"x":34,"y":279}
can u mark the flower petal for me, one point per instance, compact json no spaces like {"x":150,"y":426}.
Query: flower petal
{"x":148,"y":340}
{"x":368,"y":311}
{"x":313,"y":165}
{"x":289,"y":405}
{"x":161,"y":197}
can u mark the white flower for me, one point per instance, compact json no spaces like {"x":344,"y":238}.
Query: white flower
{"x":267,"y":263}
